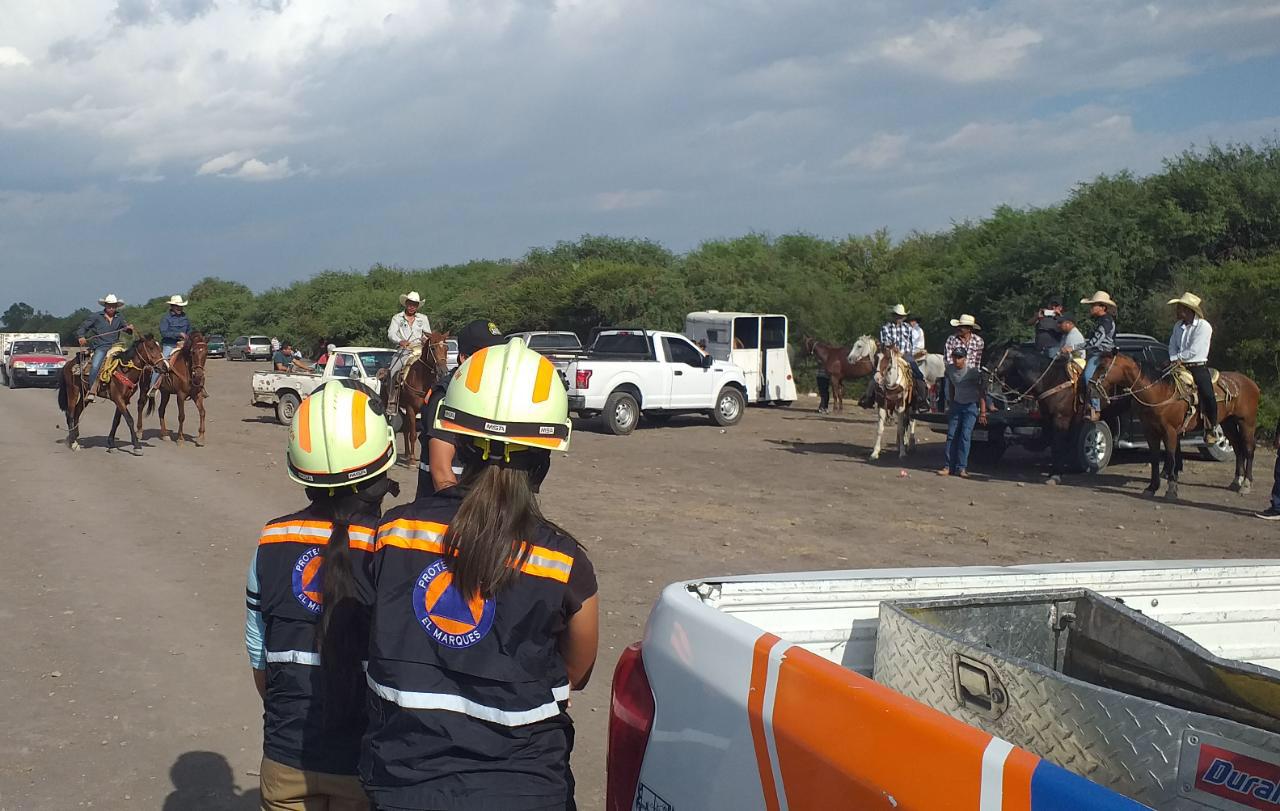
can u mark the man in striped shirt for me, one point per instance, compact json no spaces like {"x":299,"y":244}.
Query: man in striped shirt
{"x":896,"y":332}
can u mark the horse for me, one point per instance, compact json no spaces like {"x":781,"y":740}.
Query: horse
{"x":838,"y":363}
{"x":423,"y":374}
{"x":1027,"y":374}
{"x":931,"y":366}
{"x":894,"y":385}
{"x":135,"y":363}
{"x":185,"y":381}
{"x":1165,"y":416}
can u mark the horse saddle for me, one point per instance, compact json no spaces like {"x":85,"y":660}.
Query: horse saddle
{"x":1185,"y":385}
{"x":111,"y":363}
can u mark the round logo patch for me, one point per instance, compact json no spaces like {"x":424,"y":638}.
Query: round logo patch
{"x":444,"y":614}
{"x":308,"y":580}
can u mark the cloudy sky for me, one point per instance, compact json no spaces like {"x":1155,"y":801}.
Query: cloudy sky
{"x":147,"y":143}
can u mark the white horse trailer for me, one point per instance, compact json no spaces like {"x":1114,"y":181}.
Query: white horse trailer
{"x":754,"y":342}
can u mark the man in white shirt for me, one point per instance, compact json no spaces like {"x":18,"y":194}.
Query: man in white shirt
{"x":1189,"y":345}
{"x":406,"y":331}
{"x":917,"y":337}
{"x":1072,"y":344}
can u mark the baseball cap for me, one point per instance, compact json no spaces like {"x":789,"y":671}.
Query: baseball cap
{"x":960,"y":352}
{"x":477,"y":335}
{"x":1066,"y":316}
{"x":1055,"y":301}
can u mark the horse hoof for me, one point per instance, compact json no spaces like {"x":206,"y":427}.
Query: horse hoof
{"x":1171,"y":494}
{"x":1246,"y":488}
{"x":1234,"y":487}
{"x":1150,"y":492}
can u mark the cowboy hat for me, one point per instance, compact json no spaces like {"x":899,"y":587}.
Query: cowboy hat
{"x":177,"y":301}
{"x":899,"y":310}
{"x":1100,"y":297}
{"x":1191,"y":301}
{"x":965,"y":320}
{"x":110,"y":299}
{"x":412,"y":295}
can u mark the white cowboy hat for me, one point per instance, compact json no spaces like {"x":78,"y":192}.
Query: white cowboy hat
{"x":178,"y":301}
{"x":898,"y":309}
{"x":412,"y":295}
{"x":1191,"y":301}
{"x":1100,"y":297}
{"x":965,"y":320}
{"x":111,"y":299}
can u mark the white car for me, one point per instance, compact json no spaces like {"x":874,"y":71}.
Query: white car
{"x":627,"y":373}
{"x":284,"y":391}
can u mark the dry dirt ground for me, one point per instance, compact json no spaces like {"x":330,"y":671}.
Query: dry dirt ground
{"x":123,"y":680}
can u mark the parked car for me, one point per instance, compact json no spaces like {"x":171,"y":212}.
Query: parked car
{"x":1018,"y":422}
{"x":284,"y":391}
{"x":250,"y":347}
{"x":561,"y":348}
{"x":451,"y":349}
{"x":30,"y":359}
{"x":775,"y":691}
{"x":627,"y":373}
{"x":217,"y":346}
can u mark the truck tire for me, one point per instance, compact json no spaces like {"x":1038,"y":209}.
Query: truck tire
{"x":621,"y":413}
{"x":286,"y":407}
{"x":729,"y":407}
{"x":1219,"y":451}
{"x":1093,"y":445}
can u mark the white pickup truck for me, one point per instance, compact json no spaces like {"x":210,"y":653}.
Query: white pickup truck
{"x":877,"y":689}
{"x":629,"y":372}
{"x":284,"y":391}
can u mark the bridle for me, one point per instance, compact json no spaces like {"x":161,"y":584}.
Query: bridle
{"x":1006,"y":389}
{"x":428,"y":346}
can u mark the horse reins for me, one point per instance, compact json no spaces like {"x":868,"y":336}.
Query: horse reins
{"x":428,"y":345}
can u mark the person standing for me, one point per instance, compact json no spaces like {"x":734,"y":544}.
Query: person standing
{"x":1101,"y":344}
{"x":485,"y":614}
{"x":1048,"y":336}
{"x":1189,"y":345}
{"x":1272,"y":513}
{"x":965,"y":337}
{"x":175,"y":326}
{"x":968,"y":405}
{"x":99,"y":333}
{"x":824,"y":388}
{"x":275,"y":344}
{"x":308,"y":597}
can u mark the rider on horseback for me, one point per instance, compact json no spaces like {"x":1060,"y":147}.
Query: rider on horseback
{"x":1101,"y":344}
{"x":99,"y":333}
{"x":896,"y":332}
{"x":1189,"y":346}
{"x":174,"y":329}
{"x":406,"y":331}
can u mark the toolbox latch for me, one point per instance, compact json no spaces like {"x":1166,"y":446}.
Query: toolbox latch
{"x":978,"y":688}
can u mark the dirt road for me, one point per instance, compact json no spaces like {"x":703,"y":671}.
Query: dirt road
{"x":123,"y":680}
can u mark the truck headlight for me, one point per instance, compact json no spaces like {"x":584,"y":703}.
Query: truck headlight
{"x":19,"y":364}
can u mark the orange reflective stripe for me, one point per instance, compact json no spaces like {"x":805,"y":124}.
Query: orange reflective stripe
{"x":542,"y":383}
{"x":405,"y":533}
{"x":359,"y":402}
{"x":304,"y":426}
{"x":476,"y":371}
{"x":755,"y":716}
{"x":314,"y":533}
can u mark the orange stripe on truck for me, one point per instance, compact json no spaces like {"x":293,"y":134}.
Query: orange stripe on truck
{"x":755,"y":714}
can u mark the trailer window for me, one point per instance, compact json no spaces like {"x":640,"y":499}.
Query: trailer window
{"x":775,"y":332}
{"x":746,"y":333}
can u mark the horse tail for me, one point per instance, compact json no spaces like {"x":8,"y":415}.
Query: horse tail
{"x":62,"y":393}
{"x":151,"y":405}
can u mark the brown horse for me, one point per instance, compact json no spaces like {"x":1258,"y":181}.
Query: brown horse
{"x":136,"y":364}
{"x":1029,"y":375}
{"x":835,"y":360}
{"x":184,"y":381}
{"x":421,"y":376}
{"x":1165,"y":416}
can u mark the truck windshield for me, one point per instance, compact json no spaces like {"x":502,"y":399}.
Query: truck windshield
{"x":36,"y":348}
{"x":622,"y":343}
{"x":554,"y":341}
{"x":375,"y":362}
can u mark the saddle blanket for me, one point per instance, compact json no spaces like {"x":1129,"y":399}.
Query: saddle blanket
{"x":1185,"y":385}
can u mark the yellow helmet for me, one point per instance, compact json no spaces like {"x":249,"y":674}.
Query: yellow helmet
{"x":339,"y":436}
{"x":507,"y":393}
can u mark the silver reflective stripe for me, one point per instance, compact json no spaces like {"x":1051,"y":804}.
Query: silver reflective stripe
{"x":297,"y":657}
{"x":550,"y":563}
{"x":411,"y":534}
{"x":359,"y":534}
{"x":455,"y":703}
{"x":294,"y":529}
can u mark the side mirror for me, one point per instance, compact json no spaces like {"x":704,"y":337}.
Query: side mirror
{"x":707,"y":360}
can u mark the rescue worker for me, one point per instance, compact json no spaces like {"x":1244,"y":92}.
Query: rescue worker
{"x":100,"y":332}
{"x":443,"y":461}
{"x":406,"y":331}
{"x":896,"y":332}
{"x":308,"y":595}
{"x":1048,"y":335}
{"x":1100,"y":344}
{"x":174,"y":329}
{"x":1189,"y":344}
{"x":485,"y":613}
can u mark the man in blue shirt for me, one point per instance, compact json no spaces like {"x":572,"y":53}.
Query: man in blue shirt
{"x":174,"y":329}
{"x":99,"y":333}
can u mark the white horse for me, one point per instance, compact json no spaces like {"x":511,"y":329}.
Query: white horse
{"x":931,"y":365}
{"x":893,"y":390}
{"x":864,"y":347}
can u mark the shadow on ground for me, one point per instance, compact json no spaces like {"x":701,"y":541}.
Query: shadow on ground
{"x":203,"y":781}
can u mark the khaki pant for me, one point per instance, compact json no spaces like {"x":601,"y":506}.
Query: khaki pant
{"x":285,"y":788}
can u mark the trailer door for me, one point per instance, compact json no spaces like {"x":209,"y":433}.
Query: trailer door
{"x":775,"y":374}
{"x":746,"y":352}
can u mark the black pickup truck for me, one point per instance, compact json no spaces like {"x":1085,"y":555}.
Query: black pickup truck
{"x":1018,"y":422}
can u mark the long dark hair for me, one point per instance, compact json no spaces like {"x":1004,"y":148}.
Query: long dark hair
{"x":488,"y":538}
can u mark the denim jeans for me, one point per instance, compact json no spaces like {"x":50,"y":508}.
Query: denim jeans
{"x":166,"y":350}
{"x":99,"y":355}
{"x":1090,"y":366}
{"x":960,"y":422}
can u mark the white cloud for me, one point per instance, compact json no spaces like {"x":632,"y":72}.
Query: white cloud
{"x":220,"y":164}
{"x":243,"y":165}
{"x":254,"y":169}
{"x":881,"y":152}
{"x":628,"y":198}
{"x":11,"y":57}
{"x":963,"y":49}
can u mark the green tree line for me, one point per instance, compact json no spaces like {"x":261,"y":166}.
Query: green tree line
{"x":1208,"y":222}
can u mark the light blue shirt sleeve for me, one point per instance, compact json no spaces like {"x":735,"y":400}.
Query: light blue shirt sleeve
{"x":254,"y":626}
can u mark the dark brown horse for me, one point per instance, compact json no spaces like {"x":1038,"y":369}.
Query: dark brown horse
{"x":184,"y":381}
{"x":1165,"y":416}
{"x":1029,"y":375}
{"x":423,"y":374}
{"x":835,"y":360}
{"x":136,"y":363}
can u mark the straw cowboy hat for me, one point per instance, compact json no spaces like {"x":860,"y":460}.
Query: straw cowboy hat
{"x":1191,"y":301}
{"x":110,"y":299}
{"x":898,"y":309}
{"x":965,"y":320}
{"x":1100,"y":297}
{"x":413,"y":296}
{"x":177,"y":301}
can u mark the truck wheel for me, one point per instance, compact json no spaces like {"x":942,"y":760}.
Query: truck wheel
{"x":621,"y":413}
{"x":729,"y":407}
{"x":989,"y":453}
{"x":286,"y":407}
{"x":1094,"y":445}
{"x":1220,"y":450}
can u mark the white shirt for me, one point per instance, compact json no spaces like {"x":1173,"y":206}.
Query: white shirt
{"x":1190,"y":343}
{"x":917,"y":339}
{"x":1074,"y":342}
{"x":401,"y":330}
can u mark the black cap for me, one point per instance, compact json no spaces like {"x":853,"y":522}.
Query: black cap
{"x":1055,"y":301}
{"x":960,"y":352}
{"x":477,"y":335}
{"x":1066,"y":316}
